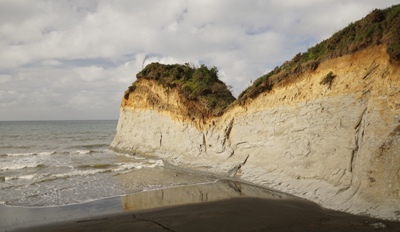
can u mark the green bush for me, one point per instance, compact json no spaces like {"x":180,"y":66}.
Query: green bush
{"x":129,"y":91}
{"x":196,"y":84}
{"x":328,"y":79}
{"x":378,"y":27}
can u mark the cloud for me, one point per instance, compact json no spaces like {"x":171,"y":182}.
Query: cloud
{"x":74,"y":58}
{"x":4,"y":78}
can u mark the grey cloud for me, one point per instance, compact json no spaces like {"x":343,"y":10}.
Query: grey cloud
{"x":74,"y":58}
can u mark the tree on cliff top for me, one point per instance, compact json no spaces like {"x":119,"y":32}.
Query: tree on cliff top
{"x":378,"y":27}
{"x":196,"y":84}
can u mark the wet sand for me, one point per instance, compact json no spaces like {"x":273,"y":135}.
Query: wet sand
{"x":244,"y":214}
{"x":222,"y":206}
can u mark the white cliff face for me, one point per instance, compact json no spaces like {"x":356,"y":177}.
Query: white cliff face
{"x":337,"y":146}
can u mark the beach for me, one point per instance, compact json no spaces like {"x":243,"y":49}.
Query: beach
{"x":213,"y":208}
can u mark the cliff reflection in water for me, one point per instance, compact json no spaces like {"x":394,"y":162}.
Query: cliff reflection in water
{"x":191,"y":194}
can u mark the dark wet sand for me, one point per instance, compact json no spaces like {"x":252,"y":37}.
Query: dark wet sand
{"x":242,"y":214}
{"x":168,"y":210}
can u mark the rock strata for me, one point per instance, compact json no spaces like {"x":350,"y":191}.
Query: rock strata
{"x":336,"y":144}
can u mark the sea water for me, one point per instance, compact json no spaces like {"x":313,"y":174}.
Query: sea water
{"x":54,"y":163}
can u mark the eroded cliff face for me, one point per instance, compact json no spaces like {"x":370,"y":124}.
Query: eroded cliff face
{"x":336,"y":144}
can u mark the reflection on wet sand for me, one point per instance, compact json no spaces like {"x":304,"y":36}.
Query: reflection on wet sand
{"x":20,"y":217}
{"x":191,"y":194}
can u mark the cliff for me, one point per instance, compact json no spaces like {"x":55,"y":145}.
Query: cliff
{"x":326,"y":129}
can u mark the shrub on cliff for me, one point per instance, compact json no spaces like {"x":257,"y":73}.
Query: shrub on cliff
{"x":196,"y":84}
{"x":129,"y":91}
{"x":328,"y":79}
{"x":379,"y":27}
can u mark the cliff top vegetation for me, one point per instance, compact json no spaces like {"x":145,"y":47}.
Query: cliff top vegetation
{"x":378,"y":27}
{"x":195,"y":83}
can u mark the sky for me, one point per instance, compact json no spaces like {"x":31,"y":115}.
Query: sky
{"x":73,"y":59}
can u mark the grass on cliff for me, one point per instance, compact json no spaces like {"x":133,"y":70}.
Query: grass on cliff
{"x":379,"y":27}
{"x":196,"y":84}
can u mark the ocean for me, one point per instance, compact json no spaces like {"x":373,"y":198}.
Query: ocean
{"x":56,"y":163}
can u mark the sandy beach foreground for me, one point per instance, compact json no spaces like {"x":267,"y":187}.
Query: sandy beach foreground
{"x":220,"y":206}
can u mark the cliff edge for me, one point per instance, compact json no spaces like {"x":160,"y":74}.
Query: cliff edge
{"x":324,"y":126}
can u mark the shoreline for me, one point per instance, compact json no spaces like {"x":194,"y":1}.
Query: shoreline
{"x":20,"y":216}
{"x":225,"y":205}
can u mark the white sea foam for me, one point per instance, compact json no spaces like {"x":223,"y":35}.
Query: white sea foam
{"x":81,"y":152}
{"x":79,"y":173}
{"x":155,"y":163}
{"x":26,"y":177}
{"x":20,"y":166}
{"x":121,"y":168}
{"x":129,"y":166}
{"x":45,"y":153}
{"x":21,"y":154}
